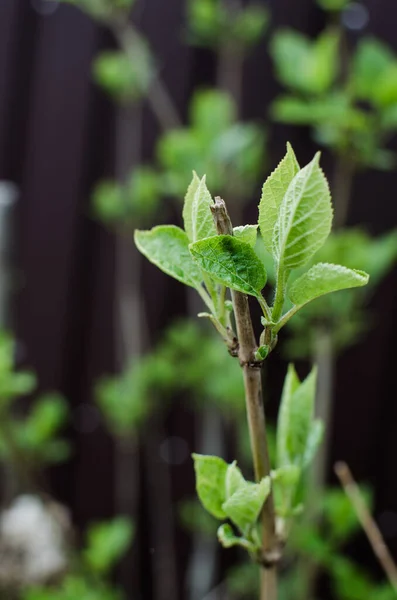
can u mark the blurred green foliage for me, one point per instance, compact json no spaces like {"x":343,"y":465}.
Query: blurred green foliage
{"x":187,"y":360}
{"x":124,"y":79}
{"x":333,"y":5}
{"x":350,"y":103}
{"x":215,"y":23}
{"x":232,"y":154}
{"x":31,"y":438}
{"x":88,"y":579}
{"x":214,"y":143}
{"x":343,"y":315}
{"x":130,"y":204}
{"x":103,"y":10}
{"x":321,"y":545}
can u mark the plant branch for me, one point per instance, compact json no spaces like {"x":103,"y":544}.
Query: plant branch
{"x":371,"y":529}
{"x":158,"y":97}
{"x":255,"y":411}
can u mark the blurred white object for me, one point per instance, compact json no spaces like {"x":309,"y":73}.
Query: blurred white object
{"x":32,"y":541}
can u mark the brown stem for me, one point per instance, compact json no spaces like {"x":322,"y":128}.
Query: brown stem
{"x":371,"y":529}
{"x":255,"y":412}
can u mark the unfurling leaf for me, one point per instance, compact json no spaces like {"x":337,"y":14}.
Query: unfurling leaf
{"x":273,"y":192}
{"x":324,"y":278}
{"x":167,"y":247}
{"x":228,"y":538}
{"x":245,"y":505}
{"x":298,"y":434}
{"x":197,"y":216}
{"x":210,"y":483}
{"x":305,"y":218}
{"x":246,"y":233}
{"x":230,"y":262}
{"x":284,"y":483}
{"x":234,"y":479}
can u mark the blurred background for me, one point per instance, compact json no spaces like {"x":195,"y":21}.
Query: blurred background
{"x":107,"y":378}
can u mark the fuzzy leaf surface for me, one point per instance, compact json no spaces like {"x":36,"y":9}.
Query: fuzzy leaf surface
{"x":246,"y":233}
{"x":305,"y":218}
{"x":324,"y":278}
{"x":210,"y":483}
{"x":197,"y":216}
{"x":273,"y":192}
{"x":231,"y":262}
{"x":245,"y":505}
{"x":167,"y":247}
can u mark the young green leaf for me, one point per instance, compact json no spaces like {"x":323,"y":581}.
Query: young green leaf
{"x":284,"y":483}
{"x":245,"y":505}
{"x":291,"y":384}
{"x":197,"y":216}
{"x":228,"y":538}
{"x":314,"y":439}
{"x":295,"y":438}
{"x":234,"y":479}
{"x":230,"y":262}
{"x":273,"y":192}
{"x":210,"y":483}
{"x":167,"y":246}
{"x":246,"y":233}
{"x":324,"y":278}
{"x":305,"y":217}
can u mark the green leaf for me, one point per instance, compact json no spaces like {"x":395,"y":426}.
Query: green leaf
{"x":324,"y":278}
{"x":197,"y":216}
{"x":291,"y":384}
{"x":313,"y":441}
{"x":371,"y":64}
{"x":246,"y":233}
{"x":295,"y":437}
{"x":284,"y":483}
{"x":273,"y":192}
{"x":210,"y":483}
{"x":317,"y":60}
{"x":245,"y":505}
{"x":333,"y":5}
{"x":228,"y":539}
{"x":167,"y":247}
{"x":107,"y":542}
{"x":234,"y":479}
{"x":121,"y":77}
{"x":230,"y":262}
{"x":305,"y":218}
{"x":212,"y":112}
